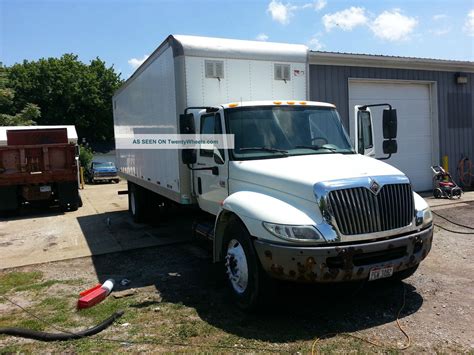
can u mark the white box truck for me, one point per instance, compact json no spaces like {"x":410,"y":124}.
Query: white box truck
{"x":293,"y":199}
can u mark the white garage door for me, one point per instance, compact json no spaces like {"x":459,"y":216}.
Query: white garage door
{"x":412,"y":101}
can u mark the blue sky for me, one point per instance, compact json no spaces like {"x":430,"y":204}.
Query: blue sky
{"x":123,"y":32}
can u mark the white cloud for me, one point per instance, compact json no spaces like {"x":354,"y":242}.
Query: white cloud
{"x":280,"y":13}
{"x":469,"y":24}
{"x":439,"y":17}
{"x":136,"y":62}
{"x":393,"y":26}
{"x":346,"y":19}
{"x":316,"y":5}
{"x":261,"y":37}
{"x":319,"y":4}
{"x":315,"y":44}
{"x":441,"y":31}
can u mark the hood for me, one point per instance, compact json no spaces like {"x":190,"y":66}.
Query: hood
{"x":296,"y":175}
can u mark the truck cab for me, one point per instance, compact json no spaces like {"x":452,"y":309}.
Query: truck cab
{"x":293,"y":199}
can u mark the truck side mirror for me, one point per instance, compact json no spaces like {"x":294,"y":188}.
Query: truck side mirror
{"x":389,"y":123}
{"x":390,"y":146}
{"x":186,"y":124}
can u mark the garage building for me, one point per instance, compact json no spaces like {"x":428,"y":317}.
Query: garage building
{"x":433,"y":98}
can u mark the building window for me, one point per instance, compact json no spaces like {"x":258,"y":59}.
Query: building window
{"x":214,"y":69}
{"x":282,"y":72}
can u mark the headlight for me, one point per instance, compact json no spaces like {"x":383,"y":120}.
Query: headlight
{"x":294,"y":233}
{"x":424,"y":217}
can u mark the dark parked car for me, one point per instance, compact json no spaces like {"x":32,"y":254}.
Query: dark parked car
{"x":102,"y":171}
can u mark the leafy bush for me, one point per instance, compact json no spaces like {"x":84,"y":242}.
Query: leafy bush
{"x":85,"y":156}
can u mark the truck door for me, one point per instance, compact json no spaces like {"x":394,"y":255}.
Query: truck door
{"x":210,"y":186}
{"x":363,"y":132}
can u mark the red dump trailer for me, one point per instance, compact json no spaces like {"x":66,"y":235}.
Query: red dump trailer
{"x":39,"y":164}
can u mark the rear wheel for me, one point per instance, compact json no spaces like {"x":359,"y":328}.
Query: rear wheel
{"x":245,"y":276}
{"x":68,"y":196}
{"x":135,"y":202}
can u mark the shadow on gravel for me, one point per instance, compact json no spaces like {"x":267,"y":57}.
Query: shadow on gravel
{"x":185,"y":274}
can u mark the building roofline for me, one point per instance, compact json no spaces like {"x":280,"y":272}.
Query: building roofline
{"x":382,"y":61}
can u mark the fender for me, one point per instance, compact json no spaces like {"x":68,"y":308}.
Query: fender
{"x":253,"y":208}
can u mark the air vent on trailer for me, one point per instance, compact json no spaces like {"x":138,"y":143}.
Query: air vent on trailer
{"x":282,"y":72}
{"x":214,"y":68}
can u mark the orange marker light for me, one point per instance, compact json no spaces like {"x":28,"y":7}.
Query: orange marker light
{"x":302,"y":102}
{"x":277,"y":102}
{"x":233,"y":105}
{"x":290,"y":102}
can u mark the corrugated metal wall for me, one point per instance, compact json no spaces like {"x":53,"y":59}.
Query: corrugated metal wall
{"x":455,"y":102}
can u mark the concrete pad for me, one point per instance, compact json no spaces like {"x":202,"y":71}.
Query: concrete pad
{"x":101,"y":226}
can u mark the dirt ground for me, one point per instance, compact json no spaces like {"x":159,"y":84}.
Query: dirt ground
{"x":181,"y":303}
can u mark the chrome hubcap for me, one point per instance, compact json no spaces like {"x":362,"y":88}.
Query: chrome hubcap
{"x":236,"y":266}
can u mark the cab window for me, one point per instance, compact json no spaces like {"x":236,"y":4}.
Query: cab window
{"x":210,"y":124}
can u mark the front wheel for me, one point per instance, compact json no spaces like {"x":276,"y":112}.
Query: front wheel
{"x":245,"y":276}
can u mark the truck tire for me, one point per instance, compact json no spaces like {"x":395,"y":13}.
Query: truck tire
{"x":136,"y":205}
{"x":68,"y":195}
{"x":9,"y":199}
{"x":245,"y":276}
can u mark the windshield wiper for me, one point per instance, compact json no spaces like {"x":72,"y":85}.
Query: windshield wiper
{"x":265,"y":149}
{"x":316,"y":147}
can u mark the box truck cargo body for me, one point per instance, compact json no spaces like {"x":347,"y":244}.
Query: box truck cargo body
{"x":293,"y":199}
{"x":188,"y":71}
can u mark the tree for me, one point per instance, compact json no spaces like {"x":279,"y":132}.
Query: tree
{"x":68,"y":92}
{"x":8,"y":117}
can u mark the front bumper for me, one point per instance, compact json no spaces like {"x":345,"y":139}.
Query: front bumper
{"x":104,"y":178}
{"x":343,"y":262}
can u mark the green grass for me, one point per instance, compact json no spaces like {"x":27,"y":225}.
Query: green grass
{"x":29,"y":281}
{"x":13,"y":280}
{"x":176,"y":327}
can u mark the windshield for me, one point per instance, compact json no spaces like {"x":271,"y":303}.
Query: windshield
{"x":277,"y":131}
{"x":103,"y":165}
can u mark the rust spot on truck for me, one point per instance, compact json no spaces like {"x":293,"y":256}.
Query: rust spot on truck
{"x":277,"y":269}
{"x":268,"y":254}
{"x":331,"y":273}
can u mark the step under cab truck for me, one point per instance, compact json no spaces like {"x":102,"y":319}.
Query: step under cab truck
{"x":295,"y":198}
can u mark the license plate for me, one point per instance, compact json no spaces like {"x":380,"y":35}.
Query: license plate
{"x":380,"y":273}
{"x":45,"y":188}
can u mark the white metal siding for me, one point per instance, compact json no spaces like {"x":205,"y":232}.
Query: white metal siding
{"x":415,"y":138}
{"x":245,"y":80}
{"x":148,"y":106}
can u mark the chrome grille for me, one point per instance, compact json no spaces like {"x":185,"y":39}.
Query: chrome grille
{"x":359,"y":211}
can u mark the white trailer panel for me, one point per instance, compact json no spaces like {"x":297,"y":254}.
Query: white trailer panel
{"x":174,"y":77}
{"x":148,"y":106}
